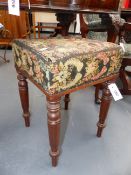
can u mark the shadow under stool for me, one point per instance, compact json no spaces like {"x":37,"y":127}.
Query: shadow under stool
{"x":59,"y":67}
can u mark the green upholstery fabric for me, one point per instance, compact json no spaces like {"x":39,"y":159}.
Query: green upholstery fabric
{"x":127,"y":49}
{"x":61,"y":64}
{"x":94,"y":22}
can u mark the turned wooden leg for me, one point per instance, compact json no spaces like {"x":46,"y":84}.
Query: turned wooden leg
{"x":126,"y":82}
{"x":23,"y":91}
{"x":97,"y":96}
{"x":105,"y":104}
{"x":53,"y":107}
{"x":67,"y":100}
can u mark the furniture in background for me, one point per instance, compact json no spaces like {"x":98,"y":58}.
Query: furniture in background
{"x":17,"y":25}
{"x":94,"y":23}
{"x":65,"y":20}
{"x":5,"y":41}
{"x":126,"y":14}
{"x":125,"y":74}
{"x":14,"y":27}
{"x":44,"y":20}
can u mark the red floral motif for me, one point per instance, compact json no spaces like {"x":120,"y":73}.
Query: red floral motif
{"x":104,"y":69}
{"x":104,"y":57}
{"x":55,"y":69}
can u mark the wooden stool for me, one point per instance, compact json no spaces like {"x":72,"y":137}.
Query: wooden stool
{"x":61,"y":66}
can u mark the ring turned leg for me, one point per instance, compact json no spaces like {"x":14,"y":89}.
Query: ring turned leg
{"x":53,"y":107}
{"x":67,"y":100}
{"x":105,"y":104}
{"x":126,"y":82}
{"x":97,"y":96}
{"x":23,"y":91}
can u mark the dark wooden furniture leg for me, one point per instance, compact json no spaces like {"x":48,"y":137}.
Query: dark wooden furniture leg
{"x":112,"y":35}
{"x":97,"y":96}
{"x":83,"y":26}
{"x":23,"y":91}
{"x":65,"y":20}
{"x":126,"y":82}
{"x":105,"y":104}
{"x":67,"y":100}
{"x":53,"y":108}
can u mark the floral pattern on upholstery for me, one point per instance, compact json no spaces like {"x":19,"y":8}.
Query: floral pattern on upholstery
{"x":62,"y":64}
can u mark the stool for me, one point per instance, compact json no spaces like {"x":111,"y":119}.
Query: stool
{"x":61,"y":66}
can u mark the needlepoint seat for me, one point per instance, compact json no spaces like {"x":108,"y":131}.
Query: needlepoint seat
{"x":58,"y":65}
{"x":61,"y":66}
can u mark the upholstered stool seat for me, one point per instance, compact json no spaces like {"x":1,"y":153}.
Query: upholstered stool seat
{"x":58,"y":65}
{"x":61,"y":66}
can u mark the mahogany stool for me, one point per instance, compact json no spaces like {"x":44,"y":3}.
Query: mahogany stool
{"x":61,"y":66}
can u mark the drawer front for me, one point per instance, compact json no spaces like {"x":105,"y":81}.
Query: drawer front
{"x":102,"y":4}
{"x":99,"y":4}
{"x":42,"y":2}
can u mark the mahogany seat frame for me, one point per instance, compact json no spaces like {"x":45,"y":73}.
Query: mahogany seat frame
{"x":53,"y":108}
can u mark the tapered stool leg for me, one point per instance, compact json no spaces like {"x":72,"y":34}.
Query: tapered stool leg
{"x":67,"y":100}
{"x":23,"y":91}
{"x":53,"y":107}
{"x":126,"y":82}
{"x":97,"y":97}
{"x":105,"y":104}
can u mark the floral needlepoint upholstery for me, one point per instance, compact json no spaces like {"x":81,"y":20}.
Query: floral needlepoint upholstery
{"x":58,"y":65}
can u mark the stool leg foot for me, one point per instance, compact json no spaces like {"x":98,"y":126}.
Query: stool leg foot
{"x":53,"y":108}
{"x":23,"y":91}
{"x":105,"y":104}
{"x":67,"y":100}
